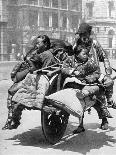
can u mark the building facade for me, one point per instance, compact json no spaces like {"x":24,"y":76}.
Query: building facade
{"x":101,"y":14}
{"x":28,"y":18}
{"x":3,"y":30}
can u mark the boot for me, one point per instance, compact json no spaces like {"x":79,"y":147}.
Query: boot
{"x":103,"y":107}
{"x":80,"y":127}
{"x":10,"y":125}
{"x":16,"y":117}
{"x":9,"y":120}
{"x":104,"y":124}
{"x":79,"y":130}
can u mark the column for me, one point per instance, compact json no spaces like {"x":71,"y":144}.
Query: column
{"x":2,"y":51}
{"x":13,"y":52}
{"x":50,"y":20}
{"x":59,"y":17}
{"x":68,"y":24}
{"x":41,"y":23}
{"x":38,"y":19}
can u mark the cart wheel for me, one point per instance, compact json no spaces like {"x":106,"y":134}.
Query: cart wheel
{"x":54,"y":125}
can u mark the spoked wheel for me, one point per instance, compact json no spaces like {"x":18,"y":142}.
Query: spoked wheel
{"x":54,"y":125}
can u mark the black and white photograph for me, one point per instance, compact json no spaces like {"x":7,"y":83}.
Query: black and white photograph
{"x":58,"y":77}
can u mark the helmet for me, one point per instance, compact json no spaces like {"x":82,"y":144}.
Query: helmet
{"x":84,"y":28}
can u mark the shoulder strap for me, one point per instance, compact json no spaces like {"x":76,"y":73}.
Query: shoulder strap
{"x":94,"y":54}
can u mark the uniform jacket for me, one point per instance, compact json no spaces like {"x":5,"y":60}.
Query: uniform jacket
{"x":37,"y":61}
{"x":89,"y":72}
{"x":98,"y":52}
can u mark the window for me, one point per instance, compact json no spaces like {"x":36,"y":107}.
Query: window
{"x":110,"y":42}
{"x":46,"y":3}
{"x":64,"y":21}
{"x":97,"y":29}
{"x":55,"y":20}
{"x":74,"y":5}
{"x":12,"y":21}
{"x":55,"y":3}
{"x":40,"y":2}
{"x":64,"y":4}
{"x":111,"y":7}
{"x":110,"y":36}
{"x":90,"y":11}
{"x":74,"y":21}
{"x":46,"y":19}
{"x":33,"y":18}
{"x":90,"y":8}
{"x":33,"y":2}
{"x":13,"y":1}
{"x":105,"y":29}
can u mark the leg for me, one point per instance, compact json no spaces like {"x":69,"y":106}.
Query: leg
{"x":108,"y":82}
{"x":10,"y":113}
{"x":104,"y":124}
{"x":100,"y":106}
{"x":91,"y":90}
{"x":80,"y":127}
{"x":16,"y":116}
{"x":10,"y":105}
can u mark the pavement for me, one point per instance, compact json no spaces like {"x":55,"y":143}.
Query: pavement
{"x":28,"y":138}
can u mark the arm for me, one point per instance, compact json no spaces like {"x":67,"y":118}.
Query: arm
{"x":102,"y":55}
{"x":93,"y":77}
{"x":68,"y":68}
{"x":93,"y":73}
{"x":21,"y":70}
{"x":21,"y":75}
{"x":15,"y":70}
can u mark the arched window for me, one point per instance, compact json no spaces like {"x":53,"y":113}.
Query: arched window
{"x":111,"y":7}
{"x":110,"y":37}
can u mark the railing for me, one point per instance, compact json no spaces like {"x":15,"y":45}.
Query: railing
{"x":111,"y":53}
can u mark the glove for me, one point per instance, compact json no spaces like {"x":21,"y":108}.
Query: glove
{"x":32,"y":69}
{"x":49,"y":74}
{"x":76,"y":73}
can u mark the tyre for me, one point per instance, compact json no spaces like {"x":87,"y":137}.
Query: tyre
{"x":54,"y":125}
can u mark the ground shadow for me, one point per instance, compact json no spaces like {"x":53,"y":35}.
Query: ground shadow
{"x":32,"y":137}
{"x":88,"y":140}
{"x":81,"y":143}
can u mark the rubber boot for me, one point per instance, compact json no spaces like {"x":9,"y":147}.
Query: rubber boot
{"x":10,"y":113}
{"x":80,"y":127}
{"x":16,"y":117}
{"x":103,"y":107}
{"x":104,"y":124}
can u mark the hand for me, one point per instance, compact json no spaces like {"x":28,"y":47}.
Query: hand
{"x":101,"y":78}
{"x":32,"y":69}
{"x":49,"y":73}
{"x":76,"y":73}
{"x":83,"y":81}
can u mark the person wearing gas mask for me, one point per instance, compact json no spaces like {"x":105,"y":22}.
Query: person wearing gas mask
{"x":38,"y":57}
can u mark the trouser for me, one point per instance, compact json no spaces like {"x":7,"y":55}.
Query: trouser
{"x":108,"y":85}
{"x":28,"y":96}
{"x":10,"y":105}
{"x":100,"y":105}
